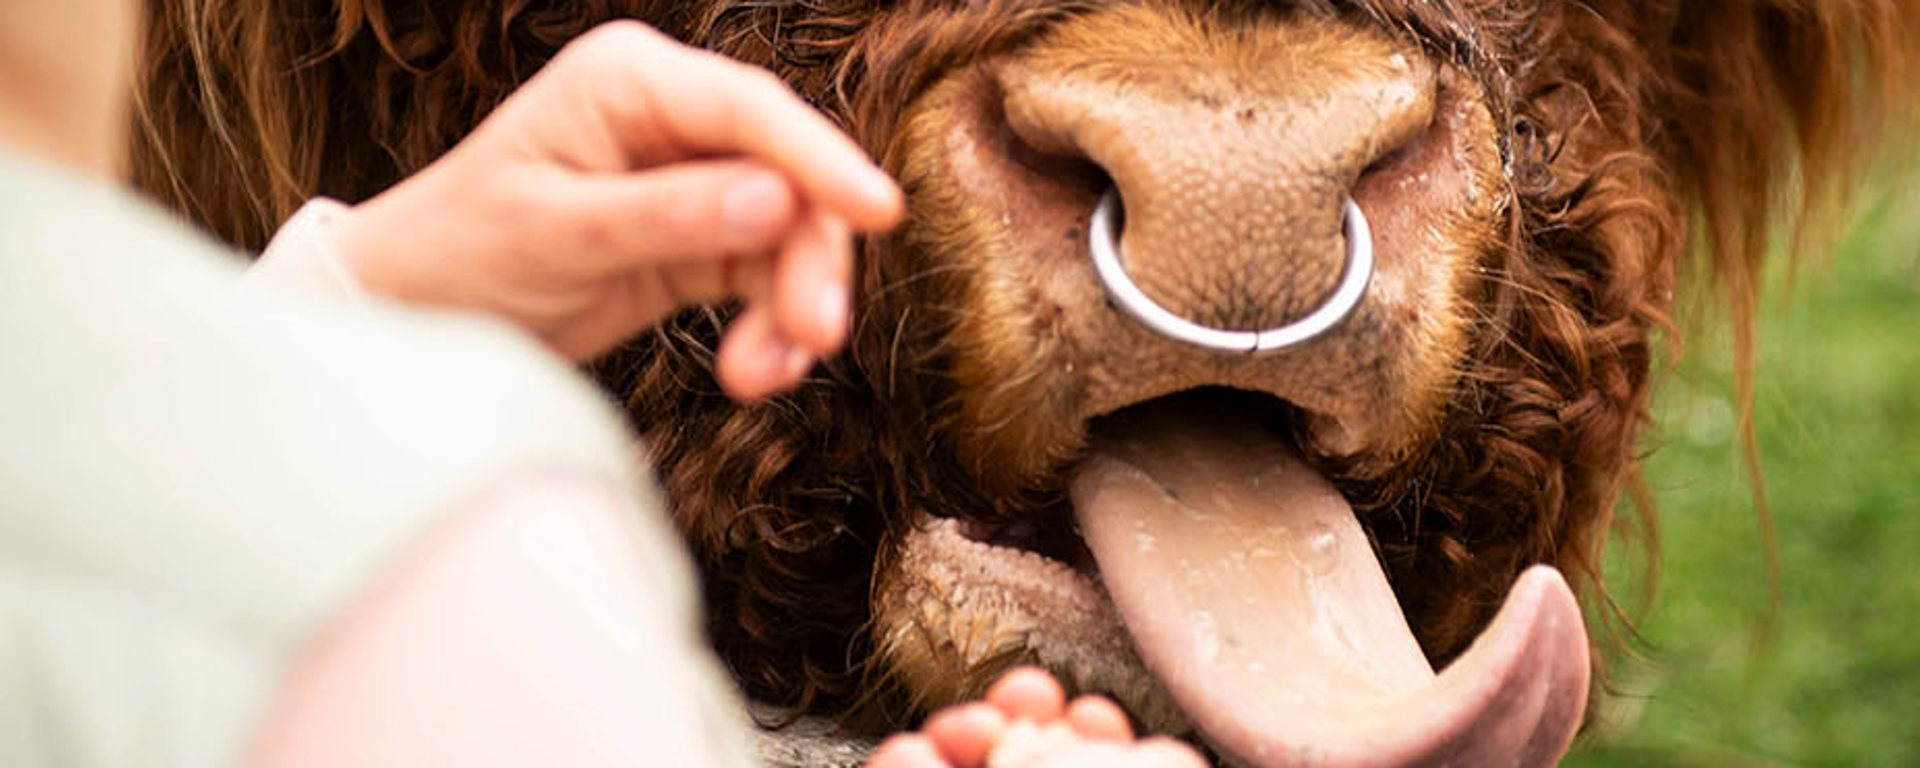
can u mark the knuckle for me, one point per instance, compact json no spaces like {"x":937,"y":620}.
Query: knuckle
{"x":505,"y":202}
{"x":540,"y":223}
{"x":622,"y":34}
{"x":595,"y":234}
{"x":534,"y":229}
{"x":610,"y":46}
{"x":768,"y":85}
{"x":530,"y":211}
{"x":751,"y":86}
{"x":761,"y":77}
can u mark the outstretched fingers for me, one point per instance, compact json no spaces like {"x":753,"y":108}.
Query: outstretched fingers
{"x":966,"y":734}
{"x":907,"y":750}
{"x":1097,"y":718}
{"x":1028,"y":693}
{"x":1026,"y":722}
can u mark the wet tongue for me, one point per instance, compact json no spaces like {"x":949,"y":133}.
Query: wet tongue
{"x":1252,"y":592}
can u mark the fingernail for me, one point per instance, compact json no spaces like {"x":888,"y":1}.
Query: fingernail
{"x":756,"y":201}
{"x":831,"y":309}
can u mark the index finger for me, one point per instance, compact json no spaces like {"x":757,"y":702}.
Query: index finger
{"x":706,"y":104}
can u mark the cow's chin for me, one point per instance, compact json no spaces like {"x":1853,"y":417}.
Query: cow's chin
{"x":1211,"y":582}
{"x":957,"y":608}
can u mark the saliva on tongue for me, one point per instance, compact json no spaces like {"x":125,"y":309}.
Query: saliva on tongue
{"x":1252,"y":592}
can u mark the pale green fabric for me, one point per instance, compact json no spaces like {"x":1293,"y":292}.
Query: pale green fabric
{"x":193,"y":475}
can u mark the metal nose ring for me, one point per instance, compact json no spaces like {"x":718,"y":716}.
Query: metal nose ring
{"x":1105,"y":237}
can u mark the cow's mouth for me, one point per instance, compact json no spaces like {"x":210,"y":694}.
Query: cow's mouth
{"x":1206,"y":576}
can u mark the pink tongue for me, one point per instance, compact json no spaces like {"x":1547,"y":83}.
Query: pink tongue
{"x":1252,"y":592}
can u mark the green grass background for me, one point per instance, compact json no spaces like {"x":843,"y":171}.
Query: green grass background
{"x":1838,"y":410}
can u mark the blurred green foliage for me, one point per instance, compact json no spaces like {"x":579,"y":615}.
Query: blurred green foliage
{"x":1836,"y":681}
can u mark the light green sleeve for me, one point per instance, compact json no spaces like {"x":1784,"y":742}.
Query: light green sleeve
{"x":194,"y":475}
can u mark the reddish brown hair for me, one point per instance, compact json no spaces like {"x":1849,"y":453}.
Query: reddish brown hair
{"x":1637,"y":132}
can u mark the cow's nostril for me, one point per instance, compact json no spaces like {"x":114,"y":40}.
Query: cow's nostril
{"x":1063,"y":165}
{"x":1406,"y":131}
{"x":1052,"y":167}
{"x":1037,"y":193}
{"x":1418,"y":160}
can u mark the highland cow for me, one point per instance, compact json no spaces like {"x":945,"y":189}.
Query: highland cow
{"x":1271,"y":552}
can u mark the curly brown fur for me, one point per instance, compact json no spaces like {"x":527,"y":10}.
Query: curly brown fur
{"x":1646,"y":142}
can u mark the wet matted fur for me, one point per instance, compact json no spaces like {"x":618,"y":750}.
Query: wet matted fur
{"x":1644,"y":143}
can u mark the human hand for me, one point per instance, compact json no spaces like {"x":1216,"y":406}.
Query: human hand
{"x":1026,"y":722}
{"x":631,"y":177}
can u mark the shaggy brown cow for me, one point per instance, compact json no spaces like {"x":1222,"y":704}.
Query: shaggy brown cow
{"x":1275,"y":550}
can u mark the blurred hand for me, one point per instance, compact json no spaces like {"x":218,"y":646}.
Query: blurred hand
{"x":631,"y":177}
{"x":1026,"y":722}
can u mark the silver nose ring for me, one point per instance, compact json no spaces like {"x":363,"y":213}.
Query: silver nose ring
{"x":1105,"y":236}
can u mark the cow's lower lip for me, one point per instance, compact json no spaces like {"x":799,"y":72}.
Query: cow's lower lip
{"x":1051,"y":534}
{"x":1313,"y":669}
{"x":952,"y":611}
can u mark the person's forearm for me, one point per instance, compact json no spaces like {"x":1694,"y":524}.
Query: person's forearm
{"x":539,"y":625}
